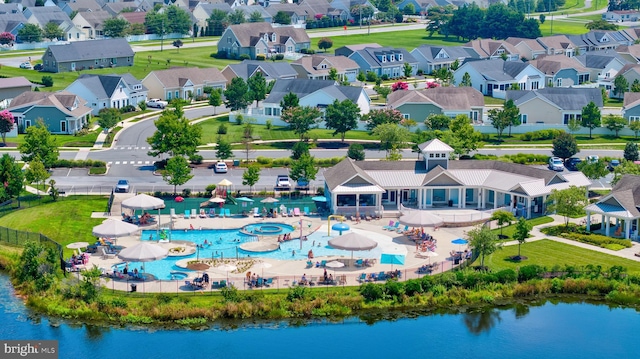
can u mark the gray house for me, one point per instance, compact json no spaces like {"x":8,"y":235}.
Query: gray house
{"x":88,"y":55}
{"x":260,"y":38}
{"x":631,"y":106}
{"x":270,"y":70}
{"x":431,"y":58}
{"x":62,"y":112}
{"x":13,"y":86}
{"x":384,"y":61}
{"x":554,"y":105}
{"x":449,"y":101}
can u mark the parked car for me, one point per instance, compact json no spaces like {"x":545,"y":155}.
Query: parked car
{"x":26,"y":65}
{"x":555,"y":164}
{"x":612,"y":165}
{"x":572,"y":163}
{"x":156,"y":103}
{"x":122,"y":186}
{"x":38,"y":67}
{"x":220,"y":167}
{"x":592,"y":159}
{"x":302,"y":183}
{"x":283,"y":181}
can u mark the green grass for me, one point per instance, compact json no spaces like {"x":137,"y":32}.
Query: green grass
{"x":509,"y":230}
{"x":582,"y":139}
{"x":548,"y":253}
{"x":561,"y":26}
{"x":65,"y":221}
{"x":408,"y":39}
{"x":588,"y":17}
{"x":87,"y":140}
{"x":488,"y":100}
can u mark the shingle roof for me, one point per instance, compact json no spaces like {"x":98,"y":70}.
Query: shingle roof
{"x":566,"y":98}
{"x":455,"y":52}
{"x":80,"y":5}
{"x":435,"y":145}
{"x":550,"y":65}
{"x":300,"y":87}
{"x":370,"y":55}
{"x":626,"y":193}
{"x":487,"y":47}
{"x":340,"y":63}
{"x":631,"y":99}
{"x":62,"y":100}
{"x":208,"y":7}
{"x":555,"y":42}
{"x":92,"y":49}
{"x":531,"y":43}
{"x":247,"y":34}
{"x":177,"y":76}
{"x":134,"y":17}
{"x":447,"y":98}
{"x":102,"y":86}
{"x":95,"y":18}
{"x":599,"y":59}
{"x":47,"y":14}
{"x":498,"y":69}
{"x":10,"y":82}
{"x":270,"y":70}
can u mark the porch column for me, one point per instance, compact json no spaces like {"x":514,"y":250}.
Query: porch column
{"x":461,"y":198}
{"x":588,"y":221}
{"x":358,"y":204}
{"x":527,"y":207}
{"x":606,"y":226}
{"x":495,"y":199}
{"x":398,"y":194}
{"x":379,"y":203}
{"x":480,"y":198}
{"x":627,"y":228}
{"x":419,"y":200}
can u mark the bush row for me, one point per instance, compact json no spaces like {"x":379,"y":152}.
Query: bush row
{"x":520,"y":158}
{"x":79,"y":163}
{"x":599,"y":240}
{"x":286,"y":162}
{"x":541,"y":135}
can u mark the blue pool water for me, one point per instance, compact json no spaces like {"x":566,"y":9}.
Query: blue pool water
{"x":546,"y":330}
{"x":267,"y":229}
{"x":225,"y":243}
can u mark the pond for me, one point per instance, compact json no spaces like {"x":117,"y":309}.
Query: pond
{"x":543,"y":330}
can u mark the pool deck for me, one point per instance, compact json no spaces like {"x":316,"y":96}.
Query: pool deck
{"x":287,"y":272}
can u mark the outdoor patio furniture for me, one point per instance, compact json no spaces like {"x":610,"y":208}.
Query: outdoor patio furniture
{"x":296,"y":212}
{"x":186,"y":214}
{"x":193,"y":213}
{"x":362,"y":278}
{"x":306,"y":211}
{"x":359,"y":263}
{"x":203,"y":214}
{"x":212,"y":213}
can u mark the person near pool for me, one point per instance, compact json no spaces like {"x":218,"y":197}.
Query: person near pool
{"x":303,"y":280}
{"x":326,"y":277}
{"x":310,"y":254}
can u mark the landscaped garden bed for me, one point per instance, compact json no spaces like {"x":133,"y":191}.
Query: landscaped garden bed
{"x":579,"y":233}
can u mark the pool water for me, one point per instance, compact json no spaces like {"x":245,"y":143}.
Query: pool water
{"x":225,"y":243}
{"x":267,"y":229}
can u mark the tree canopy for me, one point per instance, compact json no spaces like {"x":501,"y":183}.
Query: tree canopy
{"x":564,"y":145}
{"x":30,"y":33}
{"x":483,"y":241}
{"x":591,"y":117}
{"x":39,"y":144}
{"x":236,"y":94}
{"x":177,"y":172}
{"x":109,"y":117}
{"x":7,"y":122}
{"x":568,"y":202}
{"x":378,"y":117}
{"x":174,"y":136}
{"x":498,"y":21}
{"x":115,"y":27}
{"x":257,"y":87}
{"x":301,"y":119}
{"x":342,"y":117}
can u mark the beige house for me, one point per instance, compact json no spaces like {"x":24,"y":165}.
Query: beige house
{"x":494,"y":49}
{"x":182,"y":82}
{"x":90,"y":23}
{"x":317,"y":67}
{"x":553,"y":105}
{"x":528,"y":48}
{"x":558,"y":45}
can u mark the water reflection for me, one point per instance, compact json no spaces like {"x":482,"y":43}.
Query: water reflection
{"x":481,"y":320}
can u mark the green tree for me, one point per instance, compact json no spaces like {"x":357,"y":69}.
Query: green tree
{"x":217,"y":22}
{"x":47,"y":81}
{"x":38,"y":266}
{"x":624,"y":168}
{"x":236,"y":94}
{"x":301,"y":119}
{"x":304,"y":167}
{"x":333,"y":74}
{"x":356,"y":152}
{"x":635,"y":127}
{"x":178,"y":20}
{"x":392,"y":139}
{"x":484,"y":242}
{"x":36,"y":173}
{"x":590,"y":117}
{"x":53,"y":32}
{"x":621,"y":85}
{"x":282,"y":18}
{"x":289,"y":100}
{"x":136,"y":29}
{"x":177,"y":172}
{"x":109,"y":117}
{"x":466,"y":80}
{"x":568,"y":202}
{"x":223,"y":149}
{"x":600,"y":24}
{"x":7,"y":122}
{"x":174,"y":135}
{"x":631,"y":151}
{"x":298,"y":150}
{"x":574,"y":125}
{"x":407,"y":69}
{"x":564,"y":145}
{"x":342,"y":117}
{"x":251,"y":176}
{"x":257,"y":87}
{"x":614,"y":123}
{"x":462,"y":137}
{"x":376,"y":118}
{"x":438,"y":17}
{"x":593,"y":169}
{"x":177,"y":44}
{"x":499,"y":121}
{"x":361,"y":76}
{"x":215,"y":99}
{"x":635,"y":86}
{"x":53,"y":190}
{"x":437,"y":122}
{"x":521,"y":233}
{"x":256,"y":16}
{"x":30,"y":33}
{"x":409,"y":9}
{"x":512,"y":113}
{"x":236,"y":17}
{"x":382,"y":91}
{"x":38,"y":143}
{"x":115,"y":27}
{"x":502,"y":217}
{"x":156,"y":23}
{"x":12,"y":177}
{"x":443,"y":74}
{"x":325,"y":43}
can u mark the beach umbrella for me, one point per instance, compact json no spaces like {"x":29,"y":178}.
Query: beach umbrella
{"x":353,"y":242}
{"x":143,"y":252}
{"x":269,"y":200}
{"x":319,"y":199}
{"x":179,"y":199}
{"x":244,"y":199}
{"x":113,"y":228}
{"x":340,"y":227}
{"x":392,"y":258}
{"x":226,"y":268}
{"x":217,"y":200}
{"x":77,"y":245}
{"x":461,"y":242}
{"x":421,"y":219}
{"x":334,"y":265}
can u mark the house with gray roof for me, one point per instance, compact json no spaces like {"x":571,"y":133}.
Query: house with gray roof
{"x":603,"y":66}
{"x":91,"y":54}
{"x":91,"y":23}
{"x":202,"y":12}
{"x":115,"y":8}
{"x":527,"y":48}
{"x":385,"y":188}
{"x":631,"y":106}
{"x":42,"y":15}
{"x":558,"y":45}
{"x":62,"y":112}
{"x":431,"y":58}
{"x":623,"y":205}
{"x":11,"y":87}
{"x":384,"y":61}
{"x":347,"y":50}
{"x":108,"y":91}
{"x":12,"y":22}
{"x":449,"y":101}
{"x":298,"y":14}
{"x":554,"y":105}
{"x":314,"y":93}
{"x":317,"y":67}
{"x":182,"y":82}
{"x":597,"y":40}
{"x":493,"y":77}
{"x":494,"y":49}
{"x":79,"y":5}
{"x":562,"y":71}
{"x":270,"y":70}
{"x":260,"y":38}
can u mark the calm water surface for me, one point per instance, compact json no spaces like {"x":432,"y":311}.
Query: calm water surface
{"x":549,"y":330}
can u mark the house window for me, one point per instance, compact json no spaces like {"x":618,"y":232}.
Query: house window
{"x":572,"y":116}
{"x":267,"y":111}
{"x":399,"y":57}
{"x":273,"y":37}
{"x":559,"y":82}
{"x":27,"y":123}
{"x":534,"y":85}
{"x":276,"y":112}
{"x":266,"y":37}
{"x":63,"y":126}
{"x":431,"y":155}
{"x":384,"y":59}
{"x":473,"y":115}
{"x":523,"y":118}
{"x":289,"y":48}
{"x":228,"y":40}
{"x":634,"y":118}
{"x":405,"y":116}
{"x":177,"y":94}
{"x":169,"y":95}
{"x":257,"y":51}
{"x":114,"y":60}
{"x":128,"y":59}
{"x":198,"y":91}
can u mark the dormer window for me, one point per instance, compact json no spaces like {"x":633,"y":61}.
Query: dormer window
{"x":323,"y":66}
{"x":392,"y":58}
{"x":384,"y":58}
{"x":273,"y":37}
{"x":266,"y":37}
{"x":400,"y":56}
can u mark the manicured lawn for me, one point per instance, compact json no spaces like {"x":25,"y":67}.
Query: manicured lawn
{"x":87,"y":140}
{"x":508,"y":230}
{"x":582,"y":139}
{"x":560,"y":26}
{"x":488,"y":100}
{"x":408,"y":39}
{"x":548,"y":253}
{"x":65,"y":221}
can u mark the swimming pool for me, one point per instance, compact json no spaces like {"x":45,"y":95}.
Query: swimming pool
{"x":267,"y":229}
{"x":225,"y":243}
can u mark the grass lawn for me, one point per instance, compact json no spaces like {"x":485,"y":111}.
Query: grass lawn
{"x":87,"y":140}
{"x":560,"y":26}
{"x":581,"y":139}
{"x":548,"y":253}
{"x":488,"y":100}
{"x":508,"y":230}
{"x":409,"y":39}
{"x":65,"y":221}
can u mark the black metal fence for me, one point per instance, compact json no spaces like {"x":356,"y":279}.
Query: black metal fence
{"x":13,"y":237}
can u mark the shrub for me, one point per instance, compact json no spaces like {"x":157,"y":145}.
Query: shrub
{"x":195,"y":159}
{"x":127,"y":108}
{"x":268,"y":124}
{"x":541,"y":135}
{"x":261,"y":57}
{"x":598,"y":240}
{"x":244,"y":57}
{"x":296,"y":293}
{"x":393,"y":288}
{"x":371,"y":292}
{"x":208,"y":191}
{"x":506,"y":276}
{"x":384,"y":77}
{"x":279,"y":56}
{"x":47,"y":81}
{"x":222,"y":129}
{"x":186,"y":192}
{"x":413,"y":286}
{"x":142,"y":105}
{"x":529,"y":272}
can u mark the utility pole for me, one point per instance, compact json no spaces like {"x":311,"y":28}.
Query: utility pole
{"x":360,"y":17}
{"x":162,"y":36}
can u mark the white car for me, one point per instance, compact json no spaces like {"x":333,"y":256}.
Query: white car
{"x":26,"y":65}
{"x":156,"y":103}
{"x":556,"y":164}
{"x":220,"y":167}
{"x":283,"y":181}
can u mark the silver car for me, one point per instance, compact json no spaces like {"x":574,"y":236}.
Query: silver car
{"x":122,"y":186}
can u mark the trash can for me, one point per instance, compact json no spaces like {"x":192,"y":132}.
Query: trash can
{"x":450,"y":203}
{"x":134,"y":287}
{"x":236,"y":163}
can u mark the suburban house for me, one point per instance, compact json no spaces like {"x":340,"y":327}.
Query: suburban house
{"x":620,"y":205}
{"x":182,"y":82}
{"x":431,"y":58}
{"x":387,"y":187}
{"x":561,"y":71}
{"x":603,"y":65}
{"x":62,"y":112}
{"x":494,"y":49}
{"x":298,"y":14}
{"x":260,"y":38}
{"x":557,"y":45}
{"x":90,"y":23}
{"x":88,"y":55}
{"x":202,"y":12}
{"x":11,"y":87}
{"x":621,"y":15}
{"x":448,"y":101}
{"x":347,"y":50}
{"x":334,"y":10}
{"x":116,"y":8}
{"x":316,"y":67}
{"x":421,"y":6}
{"x":494,"y":77}
{"x":108,"y":91}
{"x":42,"y":15}
{"x":598,"y":40}
{"x":630,"y":53}
{"x":314,"y":93}
{"x":79,"y":6}
{"x":384,"y":61}
{"x":631,"y":72}
{"x":554,"y":105}
{"x":631,"y":106}
{"x":11,"y":22}
{"x":250,"y":9}
{"x":527,"y":48}
{"x":270,"y":70}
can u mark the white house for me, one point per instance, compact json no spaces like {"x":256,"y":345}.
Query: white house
{"x":108,"y":91}
{"x":494,"y":77}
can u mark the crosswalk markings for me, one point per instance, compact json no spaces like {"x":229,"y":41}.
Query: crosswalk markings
{"x":142,"y":148}
{"x":134,"y":163}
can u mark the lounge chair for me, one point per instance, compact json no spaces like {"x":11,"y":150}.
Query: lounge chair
{"x":388,"y":226}
{"x":284,"y":211}
{"x":227,"y":212}
{"x":105,"y":255}
{"x":323,"y":264}
{"x":406,"y":229}
{"x":172,"y":212}
{"x":313,"y":280}
{"x":381,"y":276}
{"x":394,"y":227}
{"x":367,"y":217}
{"x":268,"y":282}
{"x":186,"y":214}
{"x":362,"y":278}
{"x":212,"y":212}
{"x":193,"y":213}
{"x":223,"y":283}
{"x":256,"y":212}
{"x":203,"y":214}
{"x":306,"y":212}
{"x":359,"y":263}
{"x":309,"y":264}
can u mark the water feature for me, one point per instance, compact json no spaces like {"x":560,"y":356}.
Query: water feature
{"x":545,"y":330}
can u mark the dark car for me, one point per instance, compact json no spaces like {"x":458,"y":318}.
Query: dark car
{"x":38,"y":67}
{"x":572,"y":163}
{"x":613,"y":164}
